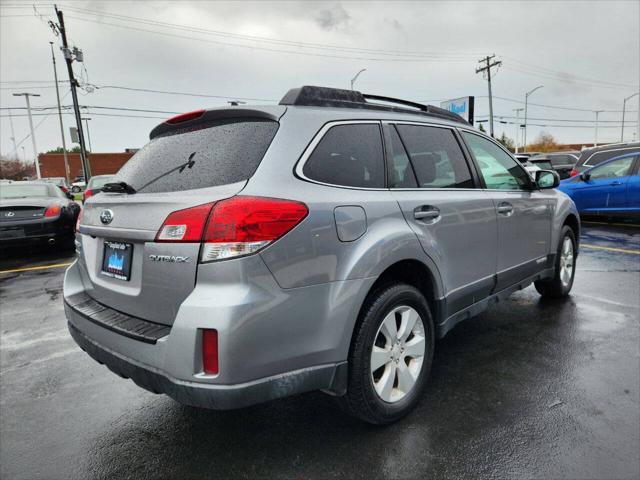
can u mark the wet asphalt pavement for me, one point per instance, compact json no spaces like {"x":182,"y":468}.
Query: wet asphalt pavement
{"x":529,"y":389}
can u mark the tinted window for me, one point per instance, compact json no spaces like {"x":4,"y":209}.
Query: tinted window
{"x":616,"y":168}
{"x":600,"y":157}
{"x":349,"y":155}
{"x":499,"y":170}
{"x":400,"y":171}
{"x":219,"y":154}
{"x":17,"y":190}
{"x":436,"y":157}
{"x":557,"y":160}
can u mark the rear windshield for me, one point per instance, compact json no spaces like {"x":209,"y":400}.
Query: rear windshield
{"x":221,"y":153}
{"x":99,"y":182}
{"x":15,"y":190}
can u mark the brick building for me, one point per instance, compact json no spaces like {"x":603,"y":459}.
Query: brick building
{"x":52,"y":164}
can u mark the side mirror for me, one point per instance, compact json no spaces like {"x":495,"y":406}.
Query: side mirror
{"x":546,"y":179}
{"x":585,"y":177}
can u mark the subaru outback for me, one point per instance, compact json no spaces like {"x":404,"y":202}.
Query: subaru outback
{"x":324,"y":243}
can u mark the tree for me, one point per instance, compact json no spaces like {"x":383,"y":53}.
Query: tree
{"x":75,"y":149}
{"x":481,"y":128}
{"x":13,"y":169}
{"x":544,"y":142}
{"x":507,"y":142}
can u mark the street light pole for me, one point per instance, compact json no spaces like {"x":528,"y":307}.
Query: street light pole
{"x":13,"y":135}
{"x":597,"y":112}
{"x":86,"y":122}
{"x":64,"y":143}
{"x":624,"y":105}
{"x":33,"y":136}
{"x":353,"y":80}
{"x":526,"y":104}
{"x":517,"y":110}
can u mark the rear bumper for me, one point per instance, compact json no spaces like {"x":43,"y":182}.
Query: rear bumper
{"x":220,"y":397}
{"x":19,"y":233}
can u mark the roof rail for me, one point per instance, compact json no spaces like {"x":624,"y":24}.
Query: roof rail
{"x":335,"y":97}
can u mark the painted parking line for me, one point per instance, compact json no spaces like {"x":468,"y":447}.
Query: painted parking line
{"x":43,"y":267}
{"x":610,"y":249}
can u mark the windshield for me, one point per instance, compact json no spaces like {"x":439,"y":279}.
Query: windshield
{"x":221,"y":153}
{"x":99,"y":182}
{"x":15,"y":190}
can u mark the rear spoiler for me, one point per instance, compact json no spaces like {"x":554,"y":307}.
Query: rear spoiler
{"x":205,"y":118}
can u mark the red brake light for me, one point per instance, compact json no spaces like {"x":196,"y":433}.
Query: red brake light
{"x":87,"y":194}
{"x":78,"y":221}
{"x":574,"y":173}
{"x":185,"y":117}
{"x":185,"y":225}
{"x":210,"y":351}
{"x":243,"y":225}
{"x":64,"y":189}
{"x":52,"y":211}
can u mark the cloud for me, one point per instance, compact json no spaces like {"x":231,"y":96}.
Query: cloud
{"x":335,"y":18}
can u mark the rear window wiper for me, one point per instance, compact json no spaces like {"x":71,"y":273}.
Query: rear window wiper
{"x":180,"y":168}
{"x":118,"y":187}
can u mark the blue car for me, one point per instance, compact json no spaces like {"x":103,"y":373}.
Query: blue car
{"x":611,"y":188}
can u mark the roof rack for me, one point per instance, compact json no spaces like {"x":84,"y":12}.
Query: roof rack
{"x":334,"y":97}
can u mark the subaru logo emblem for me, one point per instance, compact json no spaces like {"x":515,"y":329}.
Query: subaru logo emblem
{"x":106,"y":216}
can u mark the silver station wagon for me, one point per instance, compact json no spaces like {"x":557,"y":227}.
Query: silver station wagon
{"x":324,"y":243}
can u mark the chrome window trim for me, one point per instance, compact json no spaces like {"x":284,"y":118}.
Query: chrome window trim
{"x":298,"y":170}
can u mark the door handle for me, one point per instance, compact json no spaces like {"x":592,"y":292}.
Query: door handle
{"x":505,"y":209}
{"x":426,"y":212}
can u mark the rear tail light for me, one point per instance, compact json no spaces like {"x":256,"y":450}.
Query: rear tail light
{"x":210,"y":352}
{"x":243,"y":225}
{"x":78,"y":221}
{"x":234,"y":227}
{"x":185,"y":225}
{"x":87,"y":194}
{"x":64,"y":189}
{"x":573,"y":173}
{"x":52,"y":211}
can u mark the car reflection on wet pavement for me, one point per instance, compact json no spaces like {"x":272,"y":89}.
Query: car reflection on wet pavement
{"x":530,"y":388}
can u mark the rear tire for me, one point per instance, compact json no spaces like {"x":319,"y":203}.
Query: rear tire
{"x":386,"y":383}
{"x":565,"y":268}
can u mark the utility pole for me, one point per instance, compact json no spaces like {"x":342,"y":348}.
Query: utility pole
{"x":597,"y":112}
{"x":64,"y":143}
{"x":624,"y":107}
{"x":526,"y":104}
{"x":13,"y":136}
{"x":517,"y":110}
{"x":33,"y":135}
{"x":488,"y":65}
{"x":69,"y":57}
{"x":86,"y":122}
{"x":353,"y":80}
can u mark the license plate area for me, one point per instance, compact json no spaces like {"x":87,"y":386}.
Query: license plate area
{"x":116,"y":260}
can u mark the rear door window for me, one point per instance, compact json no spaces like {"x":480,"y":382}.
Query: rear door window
{"x":219,"y":153}
{"x":348,"y":155}
{"x":436,"y":157}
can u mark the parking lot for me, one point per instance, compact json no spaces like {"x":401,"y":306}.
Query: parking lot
{"x":528,"y":389}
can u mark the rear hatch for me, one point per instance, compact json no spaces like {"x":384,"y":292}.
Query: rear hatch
{"x":194,"y":162}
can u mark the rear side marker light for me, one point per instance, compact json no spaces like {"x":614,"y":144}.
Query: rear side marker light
{"x":185,"y":225}
{"x":52,"y":211}
{"x":210,"y":352}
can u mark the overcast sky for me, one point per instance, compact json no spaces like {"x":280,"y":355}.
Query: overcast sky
{"x":585,"y":53}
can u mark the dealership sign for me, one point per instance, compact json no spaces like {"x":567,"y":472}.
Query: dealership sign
{"x":462,"y":106}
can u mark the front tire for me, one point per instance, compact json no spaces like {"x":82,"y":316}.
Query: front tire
{"x":391,"y":355}
{"x":565,"y":268}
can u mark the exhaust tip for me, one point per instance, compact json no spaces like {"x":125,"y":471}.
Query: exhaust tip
{"x":51,"y":241}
